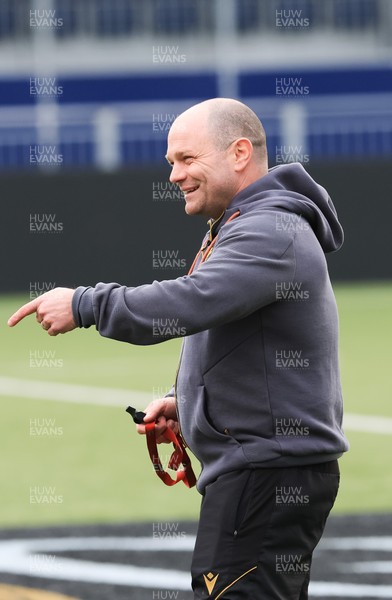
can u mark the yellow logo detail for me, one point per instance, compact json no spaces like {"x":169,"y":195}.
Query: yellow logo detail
{"x":210,"y":581}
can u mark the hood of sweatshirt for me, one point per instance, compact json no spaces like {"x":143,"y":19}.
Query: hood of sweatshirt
{"x":290,"y":188}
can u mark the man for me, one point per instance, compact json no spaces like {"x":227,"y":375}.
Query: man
{"x":257,"y":396}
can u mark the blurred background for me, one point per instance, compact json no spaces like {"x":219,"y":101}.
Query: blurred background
{"x":88,"y":91}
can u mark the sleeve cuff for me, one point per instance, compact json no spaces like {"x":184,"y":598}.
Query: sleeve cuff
{"x":82,"y":307}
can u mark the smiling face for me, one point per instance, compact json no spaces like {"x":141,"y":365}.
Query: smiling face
{"x":205,"y":174}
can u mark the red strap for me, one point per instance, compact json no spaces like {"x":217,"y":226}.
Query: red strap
{"x":179,"y":457}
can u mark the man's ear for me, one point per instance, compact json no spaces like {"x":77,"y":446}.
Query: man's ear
{"x":243,"y":152}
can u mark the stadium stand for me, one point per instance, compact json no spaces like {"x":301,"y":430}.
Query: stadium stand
{"x":97,"y":83}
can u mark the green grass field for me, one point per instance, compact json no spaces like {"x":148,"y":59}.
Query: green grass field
{"x":97,"y":466}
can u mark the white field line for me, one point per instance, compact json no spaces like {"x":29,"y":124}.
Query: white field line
{"x":83,"y":394}
{"x":69,"y":392}
{"x":349,"y":590}
{"x":368,"y":423}
{"x":30,"y":557}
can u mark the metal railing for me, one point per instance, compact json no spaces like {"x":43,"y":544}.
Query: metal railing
{"x":110,"y":137}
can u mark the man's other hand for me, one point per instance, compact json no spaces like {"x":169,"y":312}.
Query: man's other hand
{"x":163,"y":412}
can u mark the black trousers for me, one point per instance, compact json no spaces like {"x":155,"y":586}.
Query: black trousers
{"x":257,"y":532}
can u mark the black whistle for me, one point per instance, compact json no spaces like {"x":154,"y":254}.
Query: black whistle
{"x":137,"y":415}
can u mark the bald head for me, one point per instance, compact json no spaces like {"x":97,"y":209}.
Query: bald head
{"x":227,"y":120}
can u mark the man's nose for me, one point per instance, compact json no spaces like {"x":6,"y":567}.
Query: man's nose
{"x":177,"y":173}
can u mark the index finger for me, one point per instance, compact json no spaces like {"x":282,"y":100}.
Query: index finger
{"x":24,"y":311}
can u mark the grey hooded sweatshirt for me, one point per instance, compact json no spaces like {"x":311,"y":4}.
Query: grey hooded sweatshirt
{"x":258,"y":384}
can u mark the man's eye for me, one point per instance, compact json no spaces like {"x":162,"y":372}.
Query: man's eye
{"x":188,"y":159}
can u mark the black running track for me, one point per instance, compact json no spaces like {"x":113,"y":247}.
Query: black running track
{"x":151,"y":561}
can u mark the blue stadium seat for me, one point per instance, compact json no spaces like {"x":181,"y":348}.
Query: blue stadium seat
{"x":69,"y":15}
{"x":354,"y":14}
{"x":248,"y":15}
{"x":176,"y":16}
{"x":114,"y":20}
{"x":7,"y":22}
